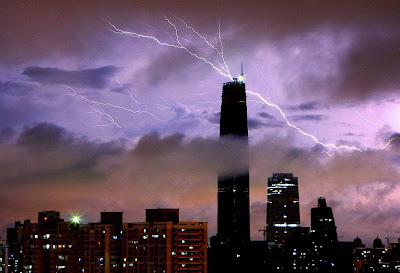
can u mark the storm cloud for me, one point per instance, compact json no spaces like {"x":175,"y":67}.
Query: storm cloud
{"x":93,"y":78}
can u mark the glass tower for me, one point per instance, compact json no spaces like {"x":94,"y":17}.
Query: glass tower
{"x":283,"y":213}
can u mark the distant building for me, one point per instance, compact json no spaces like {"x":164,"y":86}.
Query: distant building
{"x":283,"y":211}
{"x":323,"y":223}
{"x":2,"y":256}
{"x":375,"y":259}
{"x":13,"y":257}
{"x":164,"y":244}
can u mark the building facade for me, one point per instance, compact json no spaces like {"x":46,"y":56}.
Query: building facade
{"x":283,"y":209}
{"x":165,"y":247}
{"x":101,"y":244}
{"x":51,"y":245}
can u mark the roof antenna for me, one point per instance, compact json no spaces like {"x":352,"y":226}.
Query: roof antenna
{"x":241,"y":76}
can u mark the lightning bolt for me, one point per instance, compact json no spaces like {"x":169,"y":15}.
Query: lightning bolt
{"x":367,"y":120}
{"x":223,"y":69}
{"x":101,"y":104}
{"x":390,"y":140}
{"x":108,"y":116}
{"x":298,"y":129}
{"x":325,"y":152}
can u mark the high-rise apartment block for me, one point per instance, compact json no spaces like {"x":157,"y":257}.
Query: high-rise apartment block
{"x":160,"y":245}
{"x":165,"y":245}
{"x":283,"y":211}
{"x":101,"y":244}
{"x":51,"y":245}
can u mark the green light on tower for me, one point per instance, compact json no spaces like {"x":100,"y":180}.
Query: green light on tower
{"x":76,"y":219}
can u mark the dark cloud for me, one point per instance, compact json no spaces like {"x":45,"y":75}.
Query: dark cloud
{"x":371,"y":67}
{"x":68,"y":28}
{"x":253,"y":123}
{"x":44,"y":135}
{"x":266,"y":115}
{"x":308,"y":117}
{"x":306,"y":106}
{"x":47,"y":150}
{"x":15,"y":88}
{"x":93,"y":78}
{"x":355,"y":135}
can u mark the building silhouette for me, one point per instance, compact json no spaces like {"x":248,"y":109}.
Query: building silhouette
{"x":283,"y":211}
{"x":12,"y":250}
{"x":323,"y":222}
{"x":233,"y":188}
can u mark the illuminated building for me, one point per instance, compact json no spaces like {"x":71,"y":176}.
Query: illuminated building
{"x":323,"y":223}
{"x":102,"y":244}
{"x":233,"y":188}
{"x":51,"y":245}
{"x":375,"y":259}
{"x":163,"y":244}
{"x":283,"y":212}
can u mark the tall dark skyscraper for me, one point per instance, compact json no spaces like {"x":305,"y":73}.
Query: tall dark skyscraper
{"x":233,"y":188}
{"x":283,"y":211}
{"x":323,"y":223}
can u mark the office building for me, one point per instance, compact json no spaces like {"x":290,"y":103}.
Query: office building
{"x":323,"y":223}
{"x":283,"y":211}
{"x":233,"y":188}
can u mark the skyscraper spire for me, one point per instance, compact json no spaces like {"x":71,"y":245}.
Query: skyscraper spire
{"x":241,"y":68}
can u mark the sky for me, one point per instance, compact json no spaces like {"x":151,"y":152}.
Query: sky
{"x":102,"y":108}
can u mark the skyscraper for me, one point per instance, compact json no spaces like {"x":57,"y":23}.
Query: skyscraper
{"x":283,"y":213}
{"x":233,"y":188}
{"x":323,"y":223}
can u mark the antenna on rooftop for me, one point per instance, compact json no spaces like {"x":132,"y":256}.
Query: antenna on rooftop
{"x":241,"y":76}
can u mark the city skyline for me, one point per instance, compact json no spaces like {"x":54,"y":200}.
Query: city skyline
{"x":331,"y":77}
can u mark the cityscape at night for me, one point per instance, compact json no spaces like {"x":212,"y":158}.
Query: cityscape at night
{"x":199,"y":136}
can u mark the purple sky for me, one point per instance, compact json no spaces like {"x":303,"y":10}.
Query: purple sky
{"x":332,"y":67}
